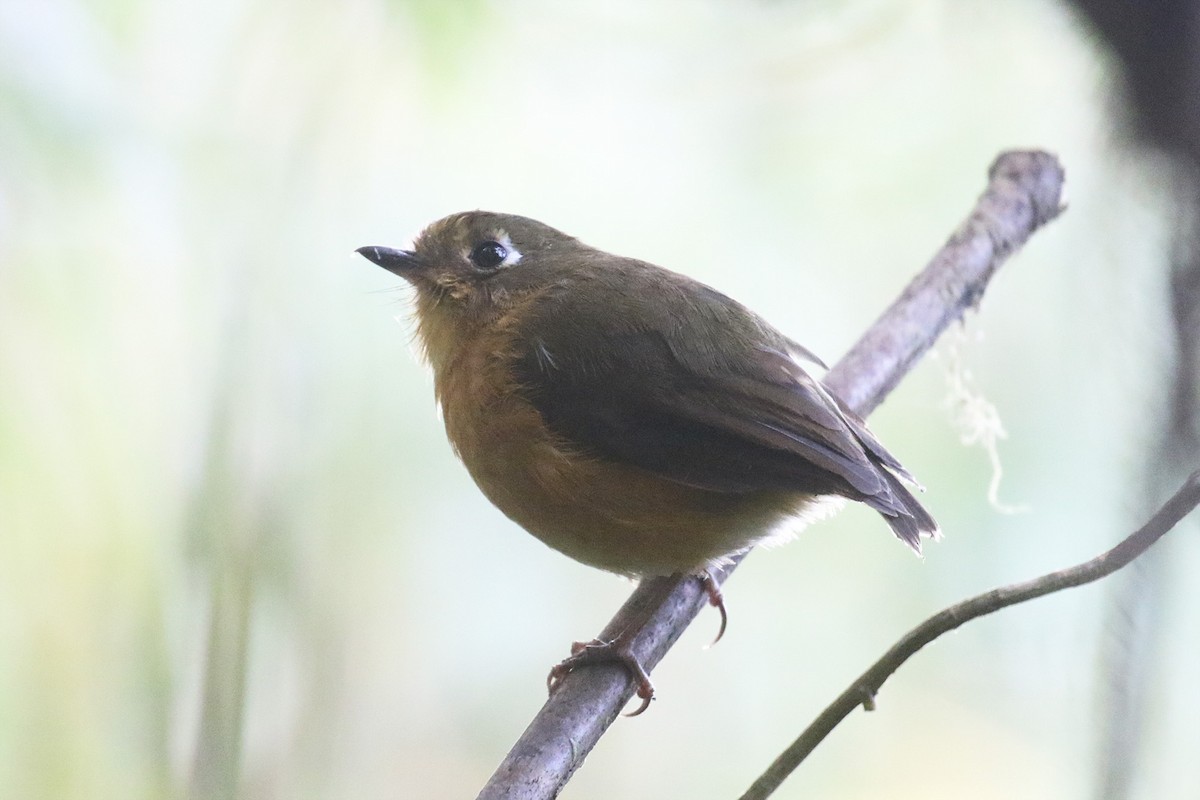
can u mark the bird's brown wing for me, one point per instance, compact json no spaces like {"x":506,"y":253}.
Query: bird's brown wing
{"x":731,"y":416}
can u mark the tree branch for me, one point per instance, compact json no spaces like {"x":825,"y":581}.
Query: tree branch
{"x":862,"y":691}
{"x":1023,"y":193}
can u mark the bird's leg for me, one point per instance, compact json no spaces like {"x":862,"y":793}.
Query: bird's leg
{"x":716,"y":599}
{"x":620,"y":648}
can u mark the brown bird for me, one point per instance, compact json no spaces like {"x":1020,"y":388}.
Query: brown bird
{"x":626,"y":415}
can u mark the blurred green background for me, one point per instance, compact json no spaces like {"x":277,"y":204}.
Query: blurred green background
{"x":238,"y":557}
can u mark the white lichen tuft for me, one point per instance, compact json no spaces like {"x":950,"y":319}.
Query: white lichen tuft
{"x":976,"y":418}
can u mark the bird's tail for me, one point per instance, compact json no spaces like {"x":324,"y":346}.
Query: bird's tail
{"x":903,"y":512}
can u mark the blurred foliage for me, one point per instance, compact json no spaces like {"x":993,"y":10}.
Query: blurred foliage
{"x":238,"y":554}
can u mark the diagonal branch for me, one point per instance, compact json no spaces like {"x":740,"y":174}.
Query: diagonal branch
{"x":862,"y":691}
{"x":1023,"y":193}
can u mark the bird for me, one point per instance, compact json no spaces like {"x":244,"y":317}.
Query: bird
{"x":628,"y":416}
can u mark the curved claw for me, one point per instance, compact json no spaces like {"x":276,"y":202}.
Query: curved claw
{"x":646,"y":692}
{"x":564,"y":667}
{"x":717,"y":599}
{"x":645,"y":689}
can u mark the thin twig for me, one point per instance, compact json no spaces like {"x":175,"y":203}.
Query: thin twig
{"x":862,"y":691}
{"x":1024,"y":192}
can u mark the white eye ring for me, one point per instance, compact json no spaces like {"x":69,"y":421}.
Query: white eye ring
{"x":494,"y":253}
{"x":514,"y":255}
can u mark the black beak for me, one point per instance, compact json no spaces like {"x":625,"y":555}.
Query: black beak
{"x":397,"y":262}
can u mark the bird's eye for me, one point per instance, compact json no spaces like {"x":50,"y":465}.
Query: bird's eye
{"x":489,"y":255}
